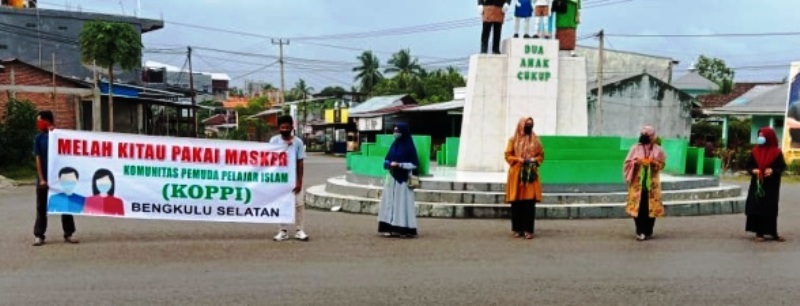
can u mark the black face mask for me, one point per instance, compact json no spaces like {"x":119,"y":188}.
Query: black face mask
{"x":644,"y":139}
{"x":286,"y":134}
{"x":528,"y":129}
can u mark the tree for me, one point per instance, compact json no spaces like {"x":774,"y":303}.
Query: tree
{"x":109,"y":44}
{"x":368,"y":73}
{"x":302,"y":90}
{"x":430,"y":87}
{"x":17,"y":131}
{"x":332,"y":91}
{"x":717,"y":71}
{"x":405,"y":68}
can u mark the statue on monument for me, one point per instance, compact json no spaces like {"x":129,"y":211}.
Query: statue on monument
{"x":523,"y":11}
{"x":568,"y":16}
{"x":542,"y":20}
{"x":493,"y":13}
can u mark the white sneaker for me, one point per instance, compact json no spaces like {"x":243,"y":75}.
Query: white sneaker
{"x":281,"y":236}
{"x":301,"y":235}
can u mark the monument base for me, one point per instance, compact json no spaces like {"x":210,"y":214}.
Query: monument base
{"x":530,"y":79}
{"x":455,"y":194}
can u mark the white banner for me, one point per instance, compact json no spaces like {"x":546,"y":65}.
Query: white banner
{"x":148,"y":177}
{"x":370,"y":124}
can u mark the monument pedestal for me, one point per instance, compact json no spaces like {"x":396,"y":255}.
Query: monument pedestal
{"x":528,"y":80}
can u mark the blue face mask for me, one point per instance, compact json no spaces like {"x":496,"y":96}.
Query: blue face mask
{"x":68,"y":187}
{"x":104,"y":188}
{"x":761,"y":140}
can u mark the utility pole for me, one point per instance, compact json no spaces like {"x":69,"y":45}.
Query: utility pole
{"x":280,"y":43}
{"x":97,"y":105}
{"x":191,"y":88}
{"x":601,"y":60}
{"x":54,"y":81}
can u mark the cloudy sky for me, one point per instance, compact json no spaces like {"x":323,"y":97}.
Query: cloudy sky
{"x":326,"y":35}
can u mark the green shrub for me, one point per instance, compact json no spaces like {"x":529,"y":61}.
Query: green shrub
{"x":17,"y":131}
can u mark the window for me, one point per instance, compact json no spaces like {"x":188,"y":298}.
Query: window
{"x":3,"y":47}
{"x":30,"y":25}
{"x":62,"y":28}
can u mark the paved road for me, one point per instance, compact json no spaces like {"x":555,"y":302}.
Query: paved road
{"x":692,"y":261}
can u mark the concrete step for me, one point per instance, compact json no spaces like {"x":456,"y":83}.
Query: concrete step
{"x":317,"y":197}
{"x":496,"y":183}
{"x":340,"y":185}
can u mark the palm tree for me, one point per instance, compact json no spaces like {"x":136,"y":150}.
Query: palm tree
{"x":368,"y":73}
{"x":405,"y":67}
{"x":302,"y":90}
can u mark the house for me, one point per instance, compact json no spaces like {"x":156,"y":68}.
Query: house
{"x":208,"y":86}
{"x":619,"y":64}
{"x":378,"y":115}
{"x":49,"y":38}
{"x":695,"y":84}
{"x":715,"y":100}
{"x":137,"y":109}
{"x":46,"y":90}
{"x":765,"y":105}
{"x":631,"y":102}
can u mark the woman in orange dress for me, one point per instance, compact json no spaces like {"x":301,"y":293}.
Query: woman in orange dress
{"x":524,"y":155}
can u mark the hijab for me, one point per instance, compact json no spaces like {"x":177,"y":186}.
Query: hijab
{"x":767,"y":153}
{"x":525,"y":146}
{"x":402,"y":151}
{"x":642,"y":151}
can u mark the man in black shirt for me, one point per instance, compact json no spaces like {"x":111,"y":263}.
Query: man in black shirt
{"x":493,"y":14}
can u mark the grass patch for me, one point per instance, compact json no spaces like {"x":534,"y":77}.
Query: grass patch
{"x":21,"y":174}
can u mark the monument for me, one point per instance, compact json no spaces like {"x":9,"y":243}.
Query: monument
{"x":528,"y":79}
{"x":581,"y":175}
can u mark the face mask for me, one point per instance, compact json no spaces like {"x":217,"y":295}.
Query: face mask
{"x":528,"y":129}
{"x":104,"y":188}
{"x":761,"y":140}
{"x":68,"y":187}
{"x":42,"y":125}
{"x":397,"y":135}
{"x":286,"y":134}
{"x":644,"y":139}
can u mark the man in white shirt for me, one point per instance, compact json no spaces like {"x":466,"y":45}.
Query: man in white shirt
{"x":286,"y":126}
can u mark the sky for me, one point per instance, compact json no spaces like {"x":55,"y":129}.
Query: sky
{"x":440,"y":33}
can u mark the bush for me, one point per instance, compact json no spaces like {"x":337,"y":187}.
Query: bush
{"x":16,"y":135}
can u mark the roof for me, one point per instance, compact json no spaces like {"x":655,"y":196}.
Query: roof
{"x":437,"y":107}
{"x":266,"y":113}
{"x":381,"y":102}
{"x":382,"y":112}
{"x":761,"y":100}
{"x":215,"y":120}
{"x":694,"y":81}
{"x":171,"y":68}
{"x":145,"y":24}
{"x":631,"y":78}
{"x":625,"y":52}
{"x":234,"y":102}
{"x":756,"y":91}
{"x":718,"y":100}
{"x":75,"y":82}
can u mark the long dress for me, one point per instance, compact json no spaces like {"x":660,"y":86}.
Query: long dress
{"x":523,"y":197}
{"x":397,"y":214}
{"x":644,"y":201}
{"x":762,"y":212}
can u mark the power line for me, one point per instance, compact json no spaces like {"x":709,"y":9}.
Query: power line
{"x":763,"y":34}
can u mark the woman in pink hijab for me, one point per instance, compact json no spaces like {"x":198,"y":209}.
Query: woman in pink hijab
{"x":642,"y":171}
